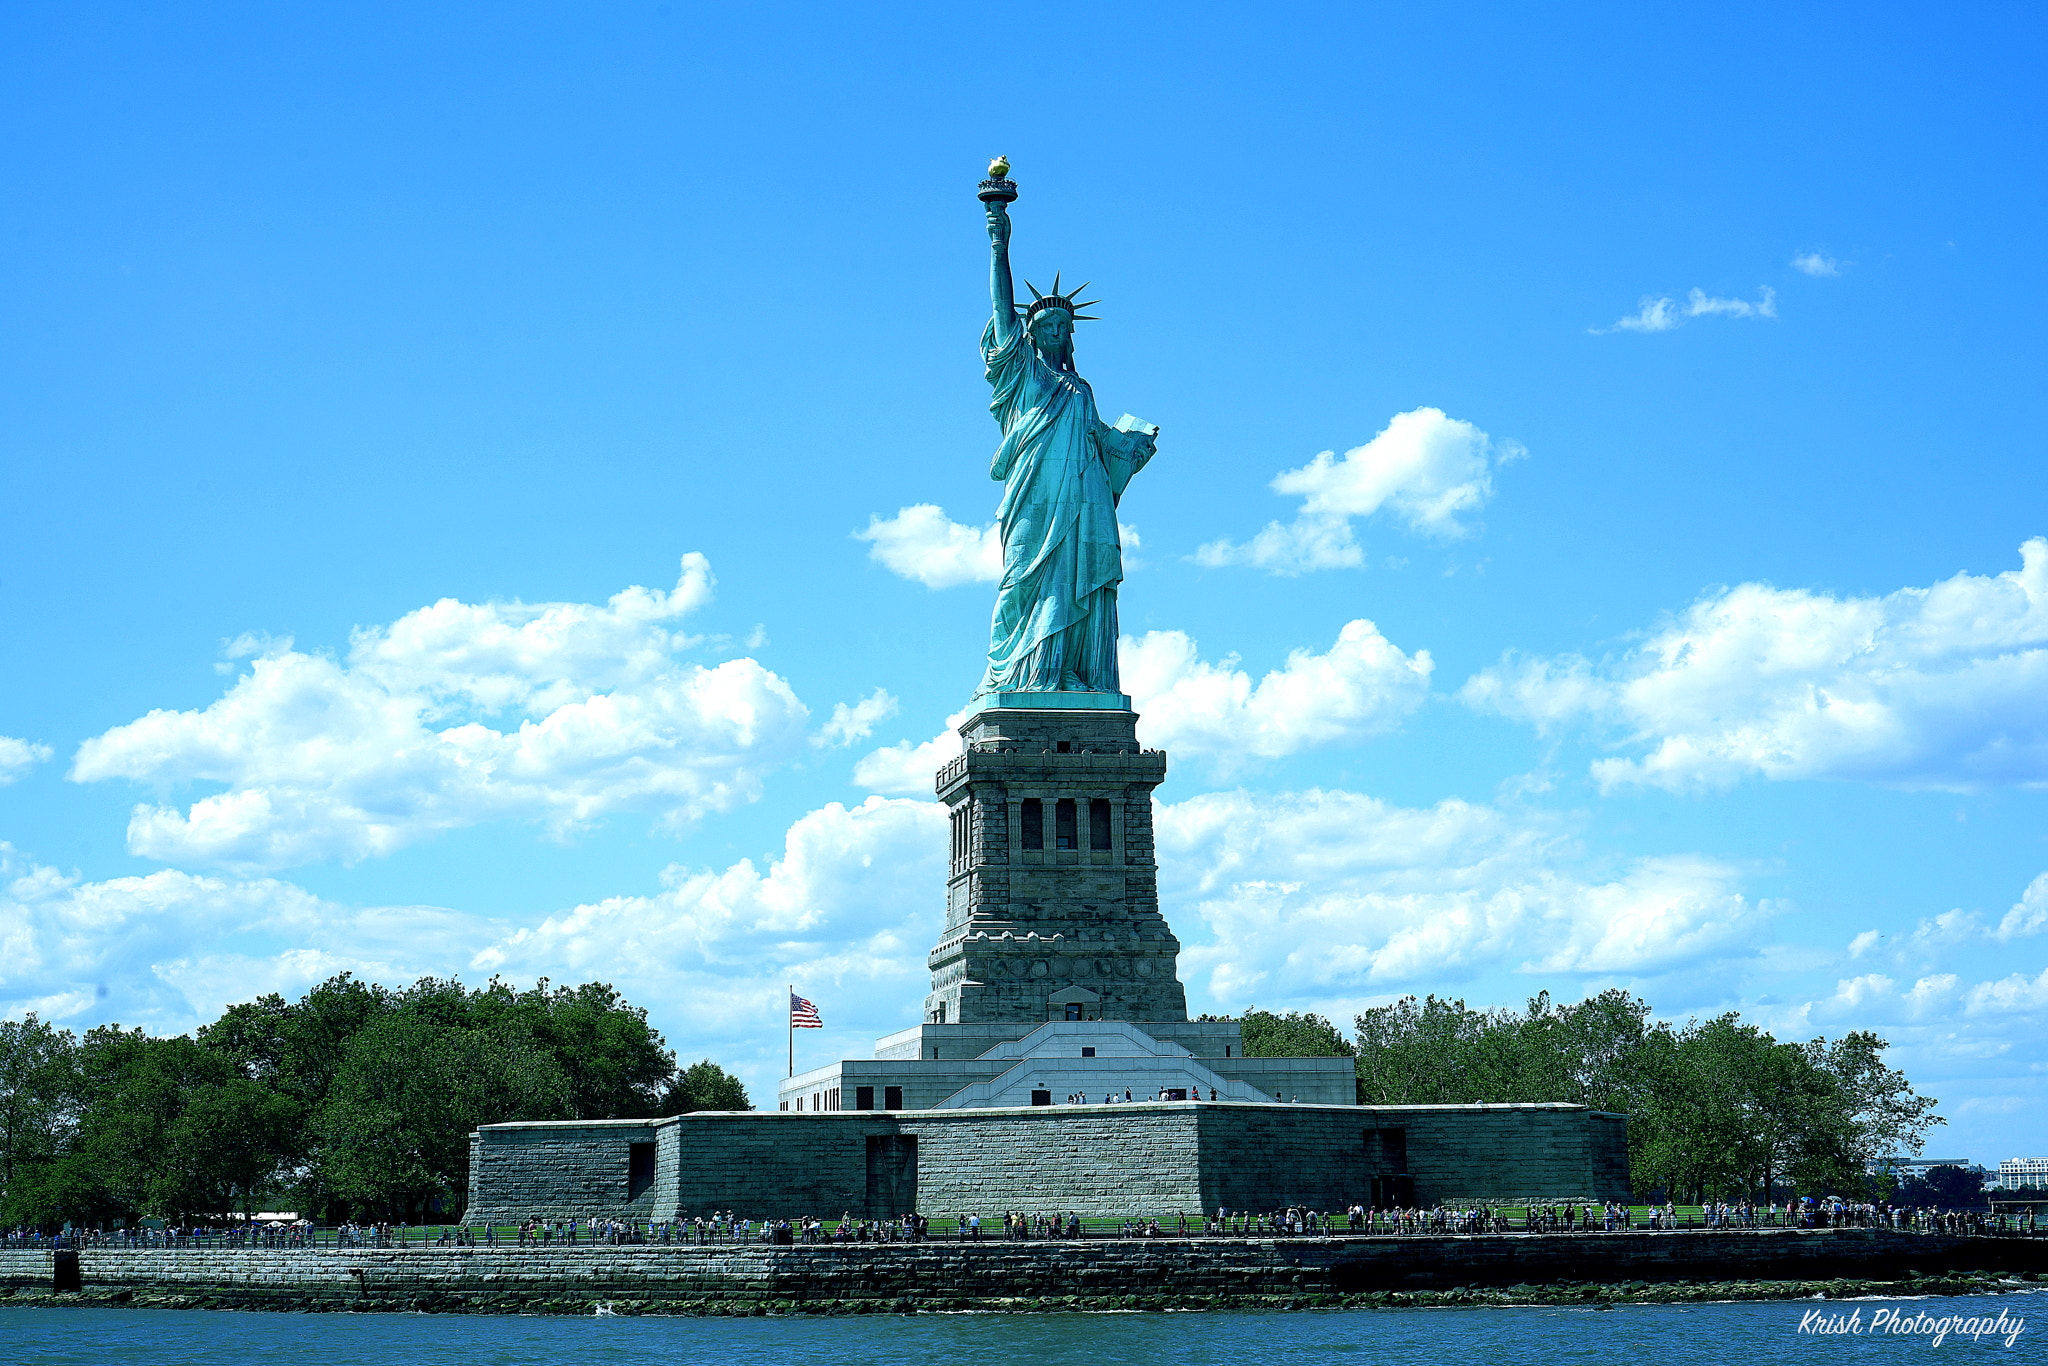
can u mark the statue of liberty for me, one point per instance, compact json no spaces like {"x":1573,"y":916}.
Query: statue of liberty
{"x":1063,"y":471}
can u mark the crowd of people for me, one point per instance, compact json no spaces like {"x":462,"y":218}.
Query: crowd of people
{"x":724,"y":1227}
{"x":266,"y":1234}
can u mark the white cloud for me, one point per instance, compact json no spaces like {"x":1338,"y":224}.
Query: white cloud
{"x":717,"y":947}
{"x":1875,"y":1000}
{"x":1128,"y":536}
{"x":129,"y":949}
{"x":907,"y":769}
{"x":535,"y":657}
{"x":1654,"y":315}
{"x":1431,"y":471}
{"x":708,"y":953}
{"x":325,"y":760}
{"x":1940,"y":936}
{"x":1361,"y":686}
{"x":1936,"y":933}
{"x":1940,"y":687}
{"x":1699,"y":305}
{"x":1663,"y":314}
{"x":1307,"y":894}
{"x":17,"y":757}
{"x":2029,"y":915}
{"x":856,"y":722}
{"x":922,"y":543}
{"x":2011,"y":995}
{"x":1814,"y":263}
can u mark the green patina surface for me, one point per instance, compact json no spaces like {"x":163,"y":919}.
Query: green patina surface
{"x":1063,"y":471}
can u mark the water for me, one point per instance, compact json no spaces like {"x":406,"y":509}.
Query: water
{"x":1747,"y":1333}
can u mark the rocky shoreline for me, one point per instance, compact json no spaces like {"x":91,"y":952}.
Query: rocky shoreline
{"x":1592,"y":1296}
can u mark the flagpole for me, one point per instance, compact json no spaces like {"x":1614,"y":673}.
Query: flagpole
{"x":792,"y":1031}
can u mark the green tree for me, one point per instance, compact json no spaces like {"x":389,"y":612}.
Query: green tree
{"x":229,"y":1142}
{"x":1944,"y":1187}
{"x":169,"y":1128}
{"x":1599,"y":1043}
{"x":1440,"y":1052}
{"x":617,"y":1065}
{"x":39,"y":1086}
{"x":1412,"y":1053}
{"x":1293,"y":1035}
{"x":1715,"y":1107}
{"x":354,"y":1095}
{"x":703,"y":1086}
{"x":1881,"y":1114}
{"x":395,"y":1127}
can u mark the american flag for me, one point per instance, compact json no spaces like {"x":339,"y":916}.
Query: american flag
{"x":802,"y":1014}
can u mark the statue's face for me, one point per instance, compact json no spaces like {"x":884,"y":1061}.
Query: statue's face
{"x":1051,"y":330}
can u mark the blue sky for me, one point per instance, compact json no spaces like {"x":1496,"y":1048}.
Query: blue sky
{"x":503,"y":489}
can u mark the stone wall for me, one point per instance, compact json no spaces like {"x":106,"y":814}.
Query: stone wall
{"x":1101,"y":1161}
{"x":1110,"y":1161}
{"x":1215,"y":1269}
{"x":566,"y":1168}
{"x":1025,"y":924}
{"x":1507,"y":1153}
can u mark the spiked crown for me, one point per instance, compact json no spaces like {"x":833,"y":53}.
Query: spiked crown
{"x":1055,"y":299}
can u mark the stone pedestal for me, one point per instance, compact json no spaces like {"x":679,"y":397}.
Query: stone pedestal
{"x":1052,"y":893}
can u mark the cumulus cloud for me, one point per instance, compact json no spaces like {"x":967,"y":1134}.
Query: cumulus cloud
{"x":171,"y":949}
{"x":321,"y":758}
{"x":1661,"y":314}
{"x":1956,"y":932}
{"x":856,"y":722}
{"x":717,"y":946}
{"x":1875,"y":999}
{"x":2029,"y":914}
{"x":1431,"y":472}
{"x":1936,"y":1018}
{"x":1309,"y":894}
{"x":708,"y":953}
{"x":907,"y":768}
{"x":1363,"y":685}
{"x":1940,"y":687}
{"x":923,"y":544}
{"x":17,"y":757}
{"x":2014,"y":994}
{"x":1816,"y":264}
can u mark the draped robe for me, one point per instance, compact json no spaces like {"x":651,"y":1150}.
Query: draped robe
{"x":1063,"y":471}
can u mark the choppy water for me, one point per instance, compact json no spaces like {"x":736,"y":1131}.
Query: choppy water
{"x":1747,"y":1333}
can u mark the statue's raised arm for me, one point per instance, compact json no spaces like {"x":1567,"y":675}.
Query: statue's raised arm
{"x":1002,"y":290}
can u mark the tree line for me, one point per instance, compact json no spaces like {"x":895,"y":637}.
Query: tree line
{"x":356,"y":1101}
{"x":1717,"y":1109}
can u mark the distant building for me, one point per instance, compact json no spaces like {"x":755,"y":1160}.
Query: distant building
{"x":2015,"y":1172}
{"x":1906,"y":1168}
